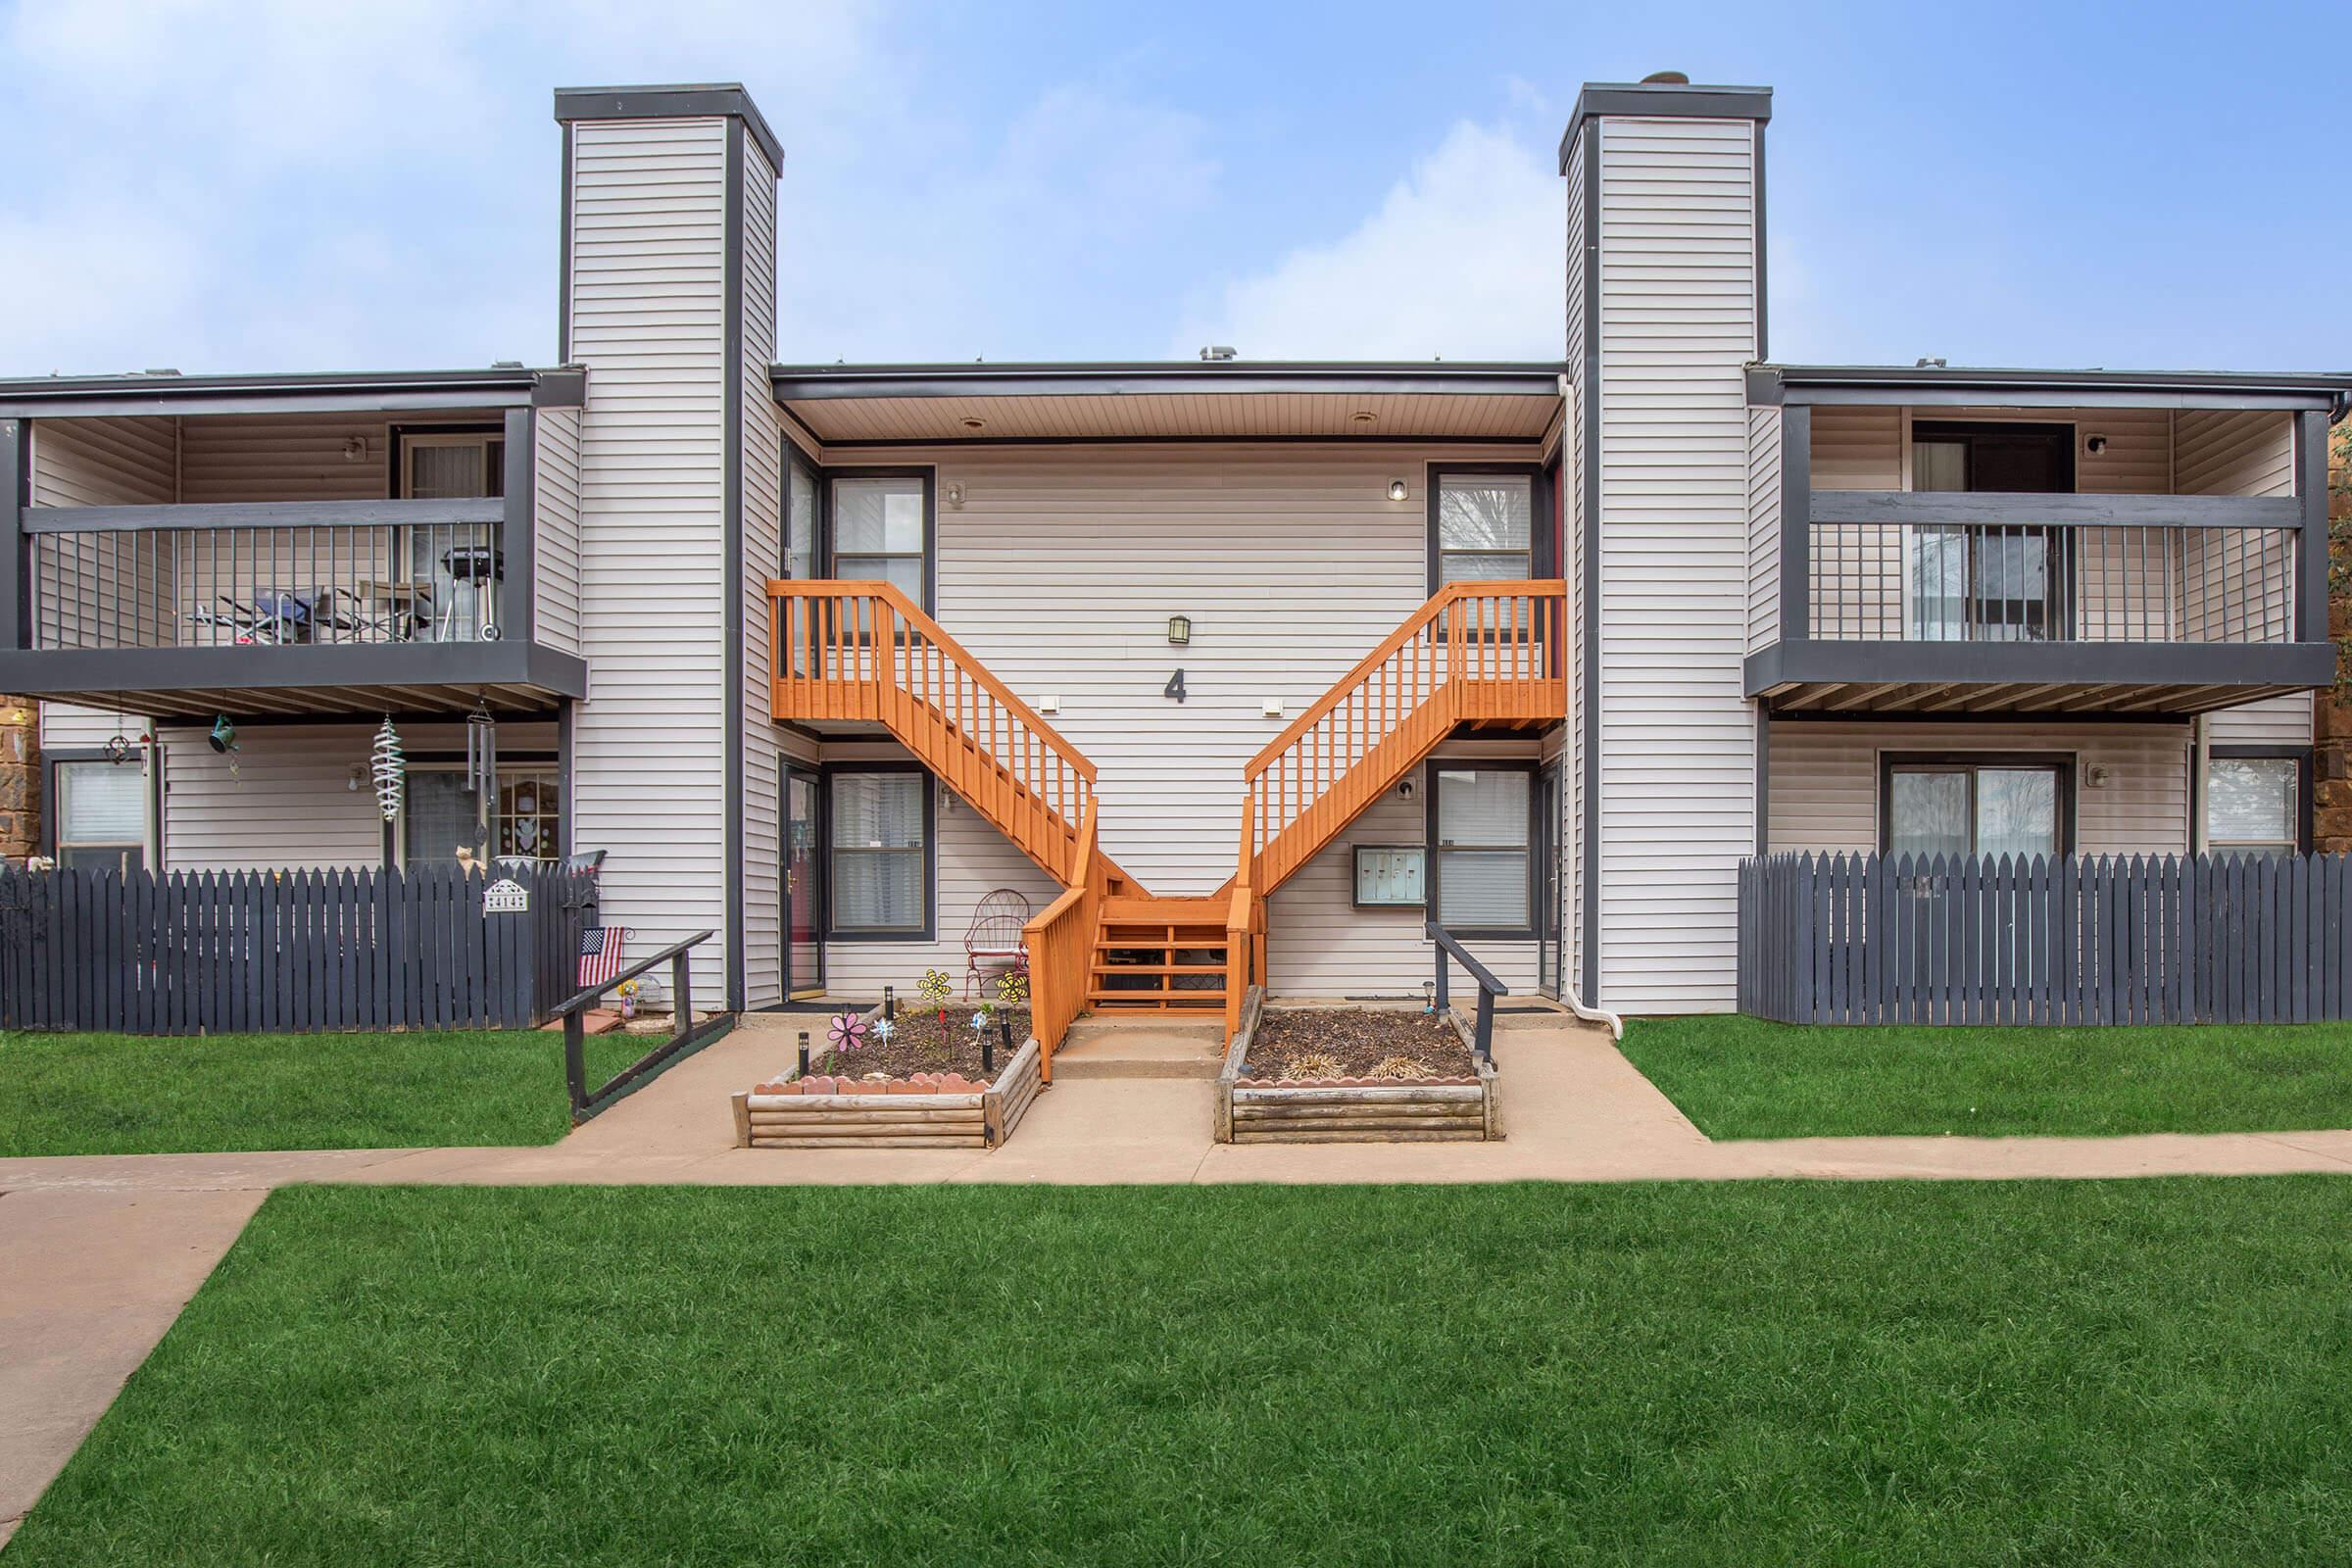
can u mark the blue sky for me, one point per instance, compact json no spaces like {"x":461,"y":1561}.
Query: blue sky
{"x":279,"y":184}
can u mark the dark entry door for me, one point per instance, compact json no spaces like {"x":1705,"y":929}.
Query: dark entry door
{"x":804,"y":872}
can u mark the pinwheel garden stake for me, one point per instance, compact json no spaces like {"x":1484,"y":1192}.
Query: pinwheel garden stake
{"x":847,"y":1031}
{"x":1013,"y":987}
{"x":936,"y":991}
{"x":884,"y":1028}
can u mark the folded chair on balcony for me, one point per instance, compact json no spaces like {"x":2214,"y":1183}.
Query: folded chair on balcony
{"x":993,"y":941}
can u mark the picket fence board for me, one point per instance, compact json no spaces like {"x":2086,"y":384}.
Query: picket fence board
{"x":280,"y":952}
{"x":2045,"y":940}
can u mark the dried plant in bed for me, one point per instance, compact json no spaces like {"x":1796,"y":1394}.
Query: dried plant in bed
{"x":1369,"y":1043}
{"x":1311,"y":1064}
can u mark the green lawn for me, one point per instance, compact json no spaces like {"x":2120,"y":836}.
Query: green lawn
{"x":1739,"y":1077}
{"x":125,"y":1094}
{"x":2130,"y":1372}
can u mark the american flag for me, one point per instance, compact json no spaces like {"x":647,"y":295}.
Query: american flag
{"x":600,"y":954}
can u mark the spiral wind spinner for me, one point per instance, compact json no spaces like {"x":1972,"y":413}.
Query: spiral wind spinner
{"x":389,"y":769}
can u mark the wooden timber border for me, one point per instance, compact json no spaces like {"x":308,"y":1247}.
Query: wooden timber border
{"x":982,"y":1121}
{"x":1383,"y":1114}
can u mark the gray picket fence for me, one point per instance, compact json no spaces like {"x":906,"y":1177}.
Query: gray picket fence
{"x":285,"y":952}
{"x":2042,"y":940}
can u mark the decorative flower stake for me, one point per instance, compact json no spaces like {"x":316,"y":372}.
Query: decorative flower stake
{"x":848,"y":1030}
{"x":883,"y":1030}
{"x":936,"y":989}
{"x":1013,"y":987}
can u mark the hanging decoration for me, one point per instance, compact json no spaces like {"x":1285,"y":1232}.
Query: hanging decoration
{"x":390,"y":771}
{"x":481,"y":775}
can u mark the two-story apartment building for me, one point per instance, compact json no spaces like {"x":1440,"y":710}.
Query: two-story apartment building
{"x":1232,"y":671}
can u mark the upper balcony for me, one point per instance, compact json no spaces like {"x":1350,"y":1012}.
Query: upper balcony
{"x":291,"y":546}
{"x":1944,"y":541}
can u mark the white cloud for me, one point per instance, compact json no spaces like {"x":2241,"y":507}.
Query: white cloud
{"x":1463,"y":260}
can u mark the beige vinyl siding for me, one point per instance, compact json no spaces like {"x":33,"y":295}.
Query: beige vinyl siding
{"x":1678,"y":277}
{"x":764,"y":552}
{"x":2274,"y":721}
{"x":2240,"y":582}
{"x":284,"y":797}
{"x":556,"y":529}
{"x":647,"y":318}
{"x":973,"y":860}
{"x":1573,"y":557}
{"x":293,"y":457}
{"x":1763,"y":527}
{"x":1318,"y":944}
{"x":1825,"y":780}
{"x":1063,"y":565}
{"x":100,"y":462}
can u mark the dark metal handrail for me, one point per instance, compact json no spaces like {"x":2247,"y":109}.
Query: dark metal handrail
{"x":1488,"y":988}
{"x":684,"y":1041}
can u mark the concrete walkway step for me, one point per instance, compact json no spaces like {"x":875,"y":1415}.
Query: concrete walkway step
{"x":1140,"y":1047}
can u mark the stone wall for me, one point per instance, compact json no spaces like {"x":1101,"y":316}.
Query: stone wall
{"x":2332,"y":814}
{"x":20,"y":777}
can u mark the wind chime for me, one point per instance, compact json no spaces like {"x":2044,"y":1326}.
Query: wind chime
{"x":481,"y":774}
{"x":389,"y":769}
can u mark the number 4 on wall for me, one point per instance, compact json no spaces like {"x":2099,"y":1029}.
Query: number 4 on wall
{"x":1175,"y":686}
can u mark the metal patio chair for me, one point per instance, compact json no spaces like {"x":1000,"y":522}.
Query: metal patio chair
{"x":993,"y":941}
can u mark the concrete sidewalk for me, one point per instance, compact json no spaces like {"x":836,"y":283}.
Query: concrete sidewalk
{"x":102,"y":1251}
{"x":1574,"y":1109}
{"x":94,"y":1279}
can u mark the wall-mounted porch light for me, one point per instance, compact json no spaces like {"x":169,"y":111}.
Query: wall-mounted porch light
{"x":1397,"y":490}
{"x":1180,"y":629}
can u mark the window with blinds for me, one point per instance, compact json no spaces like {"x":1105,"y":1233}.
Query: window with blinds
{"x":879,"y":853}
{"x":1484,"y":860}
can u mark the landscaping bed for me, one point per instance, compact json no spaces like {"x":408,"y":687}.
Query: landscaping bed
{"x":922,"y":1084}
{"x":919,"y":1043}
{"x":1331,"y":1075}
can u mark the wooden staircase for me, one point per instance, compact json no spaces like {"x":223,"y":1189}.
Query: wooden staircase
{"x":1159,"y":955}
{"x":1484,"y":654}
{"x":849,"y":651}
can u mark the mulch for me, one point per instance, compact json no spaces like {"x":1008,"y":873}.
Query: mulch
{"x":1357,"y":1039}
{"x":918,"y":1042}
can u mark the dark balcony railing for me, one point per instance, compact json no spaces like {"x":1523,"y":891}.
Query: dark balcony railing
{"x":337,"y":574}
{"x":2062,"y":582}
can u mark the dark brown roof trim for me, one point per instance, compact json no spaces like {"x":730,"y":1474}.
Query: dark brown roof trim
{"x":717,"y":99}
{"x":799,"y":382}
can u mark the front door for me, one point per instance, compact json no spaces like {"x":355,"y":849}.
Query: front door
{"x":1547,"y":879}
{"x":804,"y":944}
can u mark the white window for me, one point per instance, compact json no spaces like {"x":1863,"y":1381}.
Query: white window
{"x":2254,"y":805}
{"x":1484,"y":860}
{"x":1964,"y":806}
{"x":879,"y":851}
{"x":101,"y":816}
{"x":1486,"y":527}
{"x":879,"y":533}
